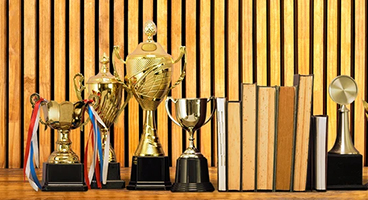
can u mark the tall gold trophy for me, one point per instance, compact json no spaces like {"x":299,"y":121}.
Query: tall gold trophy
{"x":149,"y":77}
{"x":109,"y":89}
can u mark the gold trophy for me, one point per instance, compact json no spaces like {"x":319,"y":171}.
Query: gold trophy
{"x":148,"y":75}
{"x":63,"y":171}
{"x":109,"y":89}
{"x":191,"y":166}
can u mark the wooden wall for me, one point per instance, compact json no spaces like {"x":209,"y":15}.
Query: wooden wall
{"x":43,"y":43}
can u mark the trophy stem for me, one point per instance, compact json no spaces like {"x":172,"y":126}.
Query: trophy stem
{"x":191,"y":139}
{"x":112,"y":155}
{"x":63,"y":153}
{"x":63,"y":142}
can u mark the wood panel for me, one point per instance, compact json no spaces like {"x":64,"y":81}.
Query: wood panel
{"x":3,"y":81}
{"x":133,"y":106}
{"x":261,"y":12}
{"x":147,"y":14}
{"x":331,"y":71}
{"x":119,"y":127}
{"x":44,"y":72}
{"x":15,"y":89}
{"x":103,"y":28}
{"x":303,"y":36}
{"x":360,"y":76}
{"x":345,"y":41}
{"x":74,"y":63}
{"x":275,"y":40}
{"x":247,"y":42}
{"x":232,"y":64}
{"x":288,"y":38}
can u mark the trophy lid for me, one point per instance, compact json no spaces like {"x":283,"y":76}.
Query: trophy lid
{"x":104,"y":75}
{"x":149,"y":47}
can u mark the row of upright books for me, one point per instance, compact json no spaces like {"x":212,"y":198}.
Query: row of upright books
{"x":263,"y":139}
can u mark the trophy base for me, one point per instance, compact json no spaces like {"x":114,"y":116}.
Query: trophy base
{"x":150,"y":173}
{"x":192,"y":176}
{"x":113,"y":178}
{"x":345,"y":172}
{"x":63,"y":177}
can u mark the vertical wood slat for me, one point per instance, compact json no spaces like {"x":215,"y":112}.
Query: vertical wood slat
{"x":59,"y":53}
{"x":247,"y":43}
{"x":288,"y":42}
{"x":233,"y":50}
{"x":331,"y":68}
{"x":162,"y":119}
{"x":205,"y":75}
{"x":3,"y":82}
{"x":303,"y":36}
{"x":147,"y":15}
{"x":74,"y":63}
{"x":133,"y":104}
{"x":318,"y":67}
{"x":119,"y":133}
{"x":261,"y":12}
{"x":360,"y":76}
{"x":275,"y":49}
{"x":29,"y":78}
{"x":176,"y":42}
{"x":103,"y":28}
{"x":44,"y":72}
{"x":15,"y":75}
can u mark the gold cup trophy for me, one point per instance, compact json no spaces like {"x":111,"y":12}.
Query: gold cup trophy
{"x":148,"y":75}
{"x":109,"y":89}
{"x":191,"y":167}
{"x":63,"y":171}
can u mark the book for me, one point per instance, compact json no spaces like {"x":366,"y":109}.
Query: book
{"x":302,"y":135}
{"x":249,"y":132}
{"x":233,"y":144}
{"x":285,"y":137}
{"x":221,"y":143}
{"x":266,"y":131}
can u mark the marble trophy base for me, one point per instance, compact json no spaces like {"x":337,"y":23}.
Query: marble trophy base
{"x":63,"y":177}
{"x":150,"y":173}
{"x":192,"y":176}
{"x":113,"y":178}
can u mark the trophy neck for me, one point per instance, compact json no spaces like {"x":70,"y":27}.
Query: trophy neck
{"x":63,"y":142}
{"x":191,"y":138}
{"x":63,"y":154}
{"x":112,"y":155}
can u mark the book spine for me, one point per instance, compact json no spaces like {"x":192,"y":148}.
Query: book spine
{"x":320,"y":152}
{"x":221,"y":142}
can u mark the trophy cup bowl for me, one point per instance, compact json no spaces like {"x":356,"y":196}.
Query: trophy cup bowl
{"x":149,"y":75}
{"x":109,"y":90}
{"x":63,"y":170}
{"x":191,"y":167}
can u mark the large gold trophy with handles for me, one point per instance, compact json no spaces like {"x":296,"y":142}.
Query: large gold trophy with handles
{"x":148,"y":75}
{"x":109,"y":89}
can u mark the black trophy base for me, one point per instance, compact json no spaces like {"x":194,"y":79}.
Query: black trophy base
{"x":192,"y":176}
{"x":113,"y":178}
{"x":63,"y":177}
{"x":150,"y":173}
{"x":345,"y":172}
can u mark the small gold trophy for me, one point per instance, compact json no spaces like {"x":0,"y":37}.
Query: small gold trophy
{"x":63,"y":170}
{"x":109,"y":89}
{"x":149,"y":77}
{"x":191,"y":166}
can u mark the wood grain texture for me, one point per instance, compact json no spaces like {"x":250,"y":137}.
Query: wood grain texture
{"x":205,"y":76}
{"x":247,"y":44}
{"x":331,"y":71}
{"x":233,"y":140}
{"x":133,"y":105}
{"x":15,"y":88}
{"x":74,"y":63}
{"x":233,"y":50}
{"x":360,"y":76}
{"x":44,"y":72}
{"x":303,"y":36}
{"x":162,"y":37}
{"x":119,"y":133}
{"x":176,"y":38}
{"x":275,"y":42}
{"x":3,"y":82}
{"x":318,"y":49}
{"x":289,"y":15}
{"x":345,"y":59}
{"x":147,"y":14}
{"x":261,"y":13}
{"x":103,"y":28}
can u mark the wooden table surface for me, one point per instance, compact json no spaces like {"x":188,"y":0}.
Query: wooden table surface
{"x":12,"y":186}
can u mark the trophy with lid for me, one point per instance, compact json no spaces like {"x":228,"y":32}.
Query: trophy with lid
{"x":109,"y":88}
{"x":148,"y":75}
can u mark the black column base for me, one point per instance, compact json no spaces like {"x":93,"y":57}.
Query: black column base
{"x":192,"y":176}
{"x":150,"y":173}
{"x":345,"y":172}
{"x":63,"y":177}
{"x":113,"y":178}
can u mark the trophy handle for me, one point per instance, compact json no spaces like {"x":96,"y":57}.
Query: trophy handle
{"x":33,"y":99}
{"x":168,"y":111}
{"x":213,"y":110}
{"x":115,"y":53}
{"x":124,"y":105}
{"x":183,"y":53}
{"x":78,"y":85}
